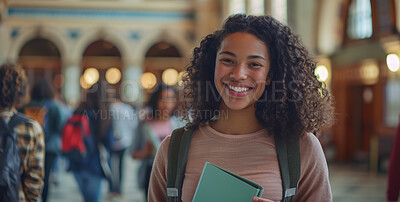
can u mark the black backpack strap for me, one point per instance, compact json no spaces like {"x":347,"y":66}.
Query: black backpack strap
{"x":288,"y":152}
{"x":16,"y":120}
{"x":177,"y":157}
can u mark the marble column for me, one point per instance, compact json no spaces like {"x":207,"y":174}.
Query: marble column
{"x":130,"y":89}
{"x":71,"y":89}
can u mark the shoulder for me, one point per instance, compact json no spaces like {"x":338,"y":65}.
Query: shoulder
{"x":314,"y":175}
{"x":29,"y":127}
{"x":165,"y":143}
{"x":309,"y":142}
{"x":164,"y":146}
{"x":162,"y":152}
{"x":35,"y":125}
{"x":311,"y":153}
{"x":30,"y":122}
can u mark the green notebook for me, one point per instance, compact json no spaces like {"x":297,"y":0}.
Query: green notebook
{"x":217,"y":184}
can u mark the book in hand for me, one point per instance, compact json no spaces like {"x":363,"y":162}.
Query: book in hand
{"x":217,"y":184}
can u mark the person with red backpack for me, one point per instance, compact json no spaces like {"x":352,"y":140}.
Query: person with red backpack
{"x":86,"y":141}
{"x":22,"y":152}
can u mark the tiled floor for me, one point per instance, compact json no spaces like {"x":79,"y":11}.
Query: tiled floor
{"x":354,"y":183}
{"x":67,"y":190}
{"x":350,"y":183}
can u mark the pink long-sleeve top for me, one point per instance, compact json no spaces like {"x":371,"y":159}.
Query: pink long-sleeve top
{"x":252,"y":156}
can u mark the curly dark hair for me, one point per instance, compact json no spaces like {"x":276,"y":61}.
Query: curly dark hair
{"x":13,"y":83}
{"x":294,"y":103}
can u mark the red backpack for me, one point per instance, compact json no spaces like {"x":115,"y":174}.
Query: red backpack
{"x":72,"y":137}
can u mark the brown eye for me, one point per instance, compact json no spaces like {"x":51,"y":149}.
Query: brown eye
{"x":255,"y":65}
{"x":226,"y":61}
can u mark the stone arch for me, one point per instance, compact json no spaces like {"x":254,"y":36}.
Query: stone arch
{"x":163,"y":49}
{"x":176,"y":39}
{"x":96,"y":34}
{"x":46,"y":32}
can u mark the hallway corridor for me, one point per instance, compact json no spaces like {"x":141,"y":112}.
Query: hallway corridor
{"x":349,"y":183}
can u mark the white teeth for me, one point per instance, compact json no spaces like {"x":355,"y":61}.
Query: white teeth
{"x":238,"y":89}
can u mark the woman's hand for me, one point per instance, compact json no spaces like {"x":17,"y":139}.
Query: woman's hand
{"x":258,"y":199}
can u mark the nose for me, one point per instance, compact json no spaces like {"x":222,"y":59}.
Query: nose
{"x":239,"y":72}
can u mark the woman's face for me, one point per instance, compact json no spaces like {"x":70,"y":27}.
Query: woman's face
{"x":166,"y":102}
{"x":241,"y":68}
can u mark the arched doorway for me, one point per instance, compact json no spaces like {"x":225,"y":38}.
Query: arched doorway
{"x":41,"y":59}
{"x":161,"y":56}
{"x":105,"y":57}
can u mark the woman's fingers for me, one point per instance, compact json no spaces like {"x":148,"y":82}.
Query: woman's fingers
{"x":258,"y":199}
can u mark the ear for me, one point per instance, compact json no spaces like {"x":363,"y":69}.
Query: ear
{"x":269,"y":79}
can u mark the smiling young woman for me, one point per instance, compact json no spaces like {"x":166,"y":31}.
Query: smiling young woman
{"x":264,"y":81}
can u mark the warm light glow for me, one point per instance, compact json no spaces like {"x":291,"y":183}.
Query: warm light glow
{"x":369,"y":73}
{"x":83,"y":83}
{"x":322,"y":73}
{"x":148,"y":80}
{"x":113,"y":75}
{"x":170,"y":77}
{"x":393,"y":62}
{"x":91,"y":75}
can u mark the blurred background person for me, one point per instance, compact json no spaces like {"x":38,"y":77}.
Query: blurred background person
{"x":65,"y":113}
{"x":124,"y":123}
{"x":155,"y":126}
{"x":29,"y":134}
{"x":48,"y":111}
{"x":89,"y":172}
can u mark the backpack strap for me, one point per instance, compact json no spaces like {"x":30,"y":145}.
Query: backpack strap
{"x":16,"y":120}
{"x":177,"y":157}
{"x":288,"y":152}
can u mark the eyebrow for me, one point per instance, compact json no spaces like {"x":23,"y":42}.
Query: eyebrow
{"x":250,"y":57}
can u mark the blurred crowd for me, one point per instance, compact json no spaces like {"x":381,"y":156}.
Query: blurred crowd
{"x":92,"y":138}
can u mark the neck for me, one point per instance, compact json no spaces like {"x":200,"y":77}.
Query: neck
{"x":236,"y":122}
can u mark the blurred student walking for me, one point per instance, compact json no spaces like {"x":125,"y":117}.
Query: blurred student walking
{"x":90,"y":171}
{"x":124,"y":124}
{"x":47,"y":110}
{"x":29,"y":133}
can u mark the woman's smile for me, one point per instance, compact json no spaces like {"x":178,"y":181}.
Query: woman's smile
{"x":238,"y":89}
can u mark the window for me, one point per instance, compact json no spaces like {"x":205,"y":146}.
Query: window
{"x":392,"y":103}
{"x":359,"y":25}
{"x":257,"y":7}
{"x":279,"y":10}
{"x":237,"y":6}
